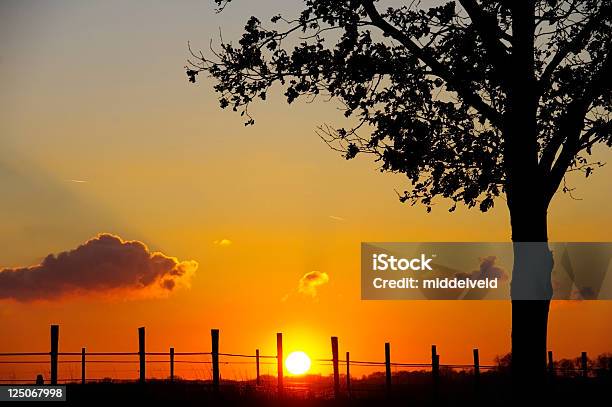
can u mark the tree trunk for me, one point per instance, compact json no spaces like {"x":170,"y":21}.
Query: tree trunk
{"x":531,"y":287}
{"x":531,"y":290}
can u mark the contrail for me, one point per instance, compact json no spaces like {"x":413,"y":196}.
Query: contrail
{"x":336,"y":218}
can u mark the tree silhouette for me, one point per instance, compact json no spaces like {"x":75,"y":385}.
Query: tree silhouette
{"x":470,"y":101}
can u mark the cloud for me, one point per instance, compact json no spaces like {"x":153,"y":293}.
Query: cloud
{"x":223,"y":242}
{"x":78,"y":181}
{"x":338,"y":218}
{"x":102,"y":265}
{"x":584,"y":293}
{"x":487,"y":269}
{"x":310,"y":281}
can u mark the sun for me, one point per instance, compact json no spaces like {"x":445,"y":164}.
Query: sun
{"x":297,"y":363}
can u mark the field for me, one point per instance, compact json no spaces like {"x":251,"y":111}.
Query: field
{"x":411,"y":389}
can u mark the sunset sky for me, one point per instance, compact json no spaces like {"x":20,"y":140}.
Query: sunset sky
{"x":100,"y":132}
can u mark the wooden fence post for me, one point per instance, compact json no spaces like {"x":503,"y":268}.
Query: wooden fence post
{"x":388,"y":367}
{"x":214,"y":336}
{"x":435,"y":367}
{"x":476,"y":365}
{"x":257,"y":366}
{"x":551,"y":364}
{"x":348,"y":374}
{"x":83,"y":366}
{"x":54,"y":352}
{"x":583,"y":364}
{"x":279,"y":359}
{"x":334,"y":345}
{"x":171,"y":364}
{"x":141,"y":353}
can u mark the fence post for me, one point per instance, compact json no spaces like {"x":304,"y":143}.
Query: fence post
{"x":583,"y":363}
{"x":348,"y":374}
{"x":82,"y":365}
{"x":141,"y":353}
{"x":279,"y":359}
{"x":334,"y":345}
{"x":551,"y":364}
{"x":388,"y":367}
{"x":171,"y":364}
{"x":257,"y":366}
{"x":435,"y":367}
{"x":476,"y":365}
{"x":54,"y":352}
{"x":214,"y":336}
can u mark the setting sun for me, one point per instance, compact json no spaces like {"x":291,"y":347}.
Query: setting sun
{"x":297,"y":363}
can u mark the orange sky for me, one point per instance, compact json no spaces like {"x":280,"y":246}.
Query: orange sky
{"x":97,"y":93}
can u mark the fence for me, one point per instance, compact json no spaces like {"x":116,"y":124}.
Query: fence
{"x":258,"y":359}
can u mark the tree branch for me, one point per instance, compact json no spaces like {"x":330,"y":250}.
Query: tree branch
{"x":486,"y":26}
{"x":572,"y":124}
{"x":600,"y":132}
{"x":437,"y":68}
{"x":571,"y":46}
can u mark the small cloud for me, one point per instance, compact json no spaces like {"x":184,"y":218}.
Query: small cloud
{"x":223,"y":242}
{"x":338,"y":218}
{"x":311,"y":281}
{"x":78,"y":181}
{"x":105,"y":264}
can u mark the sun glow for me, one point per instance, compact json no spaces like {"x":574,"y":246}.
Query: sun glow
{"x":297,"y":363}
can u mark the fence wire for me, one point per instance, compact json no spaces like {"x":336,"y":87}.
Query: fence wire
{"x":188,"y":367}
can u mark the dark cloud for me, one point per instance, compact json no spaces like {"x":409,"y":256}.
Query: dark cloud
{"x":487,"y":269}
{"x":584,"y":293}
{"x":101,"y":265}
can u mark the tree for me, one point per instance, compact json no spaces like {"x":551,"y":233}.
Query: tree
{"x":470,"y":101}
